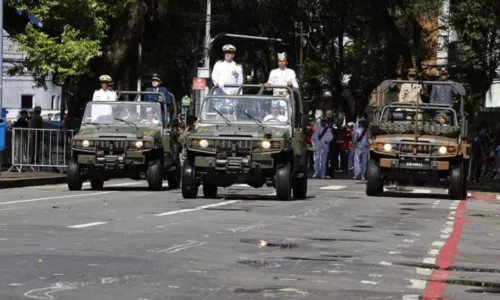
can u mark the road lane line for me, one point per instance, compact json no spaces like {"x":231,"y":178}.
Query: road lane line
{"x":333,"y":187}
{"x":181,"y":247}
{"x":429,"y":260}
{"x":53,"y":198}
{"x":446,"y":258}
{"x":368,"y":282}
{"x":88,"y":225}
{"x":175,"y":212}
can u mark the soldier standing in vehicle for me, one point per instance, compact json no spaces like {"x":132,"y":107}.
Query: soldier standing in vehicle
{"x":321,"y":139}
{"x":104,"y":94}
{"x":361,"y":149}
{"x":227,"y":72}
{"x":443,"y":94}
{"x":156,"y":81}
{"x":282,"y":76}
{"x":411,"y":92}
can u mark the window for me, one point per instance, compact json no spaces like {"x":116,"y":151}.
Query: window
{"x":27,"y":101}
{"x":54,"y":103}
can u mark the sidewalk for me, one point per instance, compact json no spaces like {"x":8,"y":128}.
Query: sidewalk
{"x":16,"y":179}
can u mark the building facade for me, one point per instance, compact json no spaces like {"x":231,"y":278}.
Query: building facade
{"x":21,"y":91}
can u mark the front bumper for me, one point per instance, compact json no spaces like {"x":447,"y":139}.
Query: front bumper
{"x":228,"y":164}
{"x":115,"y":161}
{"x":417,"y":165}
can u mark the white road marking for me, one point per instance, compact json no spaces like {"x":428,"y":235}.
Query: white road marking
{"x":368,"y":282}
{"x":88,"y":225}
{"x":452,"y":213}
{"x":429,"y":260}
{"x":393,"y":252}
{"x":417,"y":284}
{"x":450,"y":223}
{"x":375,"y":275}
{"x":414,"y":234}
{"x":403,"y":246}
{"x":423,"y":271}
{"x":53,"y":198}
{"x":333,"y":187}
{"x":408,"y":241}
{"x":247,"y":228}
{"x":411,"y":297}
{"x":177,"y":248}
{"x":108,"y":280}
{"x":385,"y":263}
{"x":15,"y":284}
{"x":447,"y":230}
{"x":451,"y":218}
{"x":438,"y":244}
{"x":456,"y":202}
{"x":271,"y":194}
{"x":175,"y":212}
{"x":433,"y":252}
{"x":240,"y":185}
{"x":46,"y":293}
{"x":444,"y":236}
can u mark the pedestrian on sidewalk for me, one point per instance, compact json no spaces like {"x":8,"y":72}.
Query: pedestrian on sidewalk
{"x":361,"y":149}
{"x":36,"y":135}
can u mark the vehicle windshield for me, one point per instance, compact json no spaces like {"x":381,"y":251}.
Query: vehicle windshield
{"x":260,"y":110}
{"x":424,"y":115}
{"x":136,"y":113}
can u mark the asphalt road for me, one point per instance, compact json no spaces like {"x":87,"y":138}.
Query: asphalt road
{"x":126,"y":242}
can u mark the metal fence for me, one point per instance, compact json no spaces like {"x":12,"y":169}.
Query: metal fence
{"x":40,"y":149}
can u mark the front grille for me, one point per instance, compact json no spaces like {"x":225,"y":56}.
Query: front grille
{"x":227,"y":145}
{"x":116,"y":147}
{"x":422,"y":149}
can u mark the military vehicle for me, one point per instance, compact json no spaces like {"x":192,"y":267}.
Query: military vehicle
{"x":410,"y":146}
{"x":239,"y":140}
{"x":120,"y":139}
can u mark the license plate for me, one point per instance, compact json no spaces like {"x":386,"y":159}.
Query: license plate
{"x":415,"y":164}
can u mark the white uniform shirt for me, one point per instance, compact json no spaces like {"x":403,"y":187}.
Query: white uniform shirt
{"x":102,"y":110}
{"x":324,"y":143}
{"x":282,"y":77}
{"x":280,"y":118}
{"x":227,"y":73}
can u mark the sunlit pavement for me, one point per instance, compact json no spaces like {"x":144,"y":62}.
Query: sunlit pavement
{"x":126,"y":242}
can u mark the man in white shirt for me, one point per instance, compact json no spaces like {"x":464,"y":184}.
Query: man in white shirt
{"x":275,"y":114}
{"x":104,"y":94}
{"x":411,"y":92}
{"x":282,"y":76}
{"x":227,"y":72}
{"x":321,"y":138}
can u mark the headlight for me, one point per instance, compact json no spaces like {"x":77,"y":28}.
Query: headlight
{"x":139,"y":144}
{"x":442,"y":150}
{"x":266,"y":144}
{"x":85,"y":143}
{"x":387,"y":147}
{"x":203,"y":143}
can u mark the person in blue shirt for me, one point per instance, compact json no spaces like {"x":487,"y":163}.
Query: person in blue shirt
{"x":156,"y":81}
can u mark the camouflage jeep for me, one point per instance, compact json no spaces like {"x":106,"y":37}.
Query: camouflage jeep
{"x":252,"y":139}
{"x":126,"y":139}
{"x":411,"y":144}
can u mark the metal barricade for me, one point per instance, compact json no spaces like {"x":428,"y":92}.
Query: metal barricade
{"x":39,"y":149}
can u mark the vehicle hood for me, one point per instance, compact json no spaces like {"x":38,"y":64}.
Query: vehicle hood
{"x":240,"y":131}
{"x":104,"y":132}
{"x":410,"y":138}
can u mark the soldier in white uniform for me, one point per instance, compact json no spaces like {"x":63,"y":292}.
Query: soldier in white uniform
{"x":275,"y":114}
{"x":282,"y":76}
{"x":227,"y":72}
{"x":321,"y":138}
{"x":104,"y":94}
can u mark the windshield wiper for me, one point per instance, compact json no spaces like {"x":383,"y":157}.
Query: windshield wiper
{"x":128,"y":122}
{"x":220,"y":114}
{"x":253,"y":118}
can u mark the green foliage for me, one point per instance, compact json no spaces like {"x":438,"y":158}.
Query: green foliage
{"x":73,"y":34}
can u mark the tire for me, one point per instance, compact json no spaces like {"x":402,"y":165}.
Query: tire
{"x":189,"y":185}
{"x":75,"y":181}
{"x":465,"y":181}
{"x":284,"y":182}
{"x":174,"y":177}
{"x":96,"y":184}
{"x":154,"y":175}
{"x":300,"y":187}
{"x":455,"y":183}
{"x":210,"y":190}
{"x":374,"y":184}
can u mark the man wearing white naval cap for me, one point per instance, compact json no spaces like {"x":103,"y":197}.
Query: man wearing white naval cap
{"x":104,"y":94}
{"x":282,"y":76}
{"x":227,"y":72}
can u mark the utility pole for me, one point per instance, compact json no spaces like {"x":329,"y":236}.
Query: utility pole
{"x":300,"y":26}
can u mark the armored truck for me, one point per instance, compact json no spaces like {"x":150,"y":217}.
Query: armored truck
{"x":419,"y":143}
{"x":126,"y":139}
{"x":253,"y":139}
